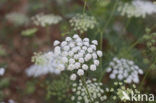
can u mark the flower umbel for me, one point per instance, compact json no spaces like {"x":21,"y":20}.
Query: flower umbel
{"x":124,"y":69}
{"x":46,"y":19}
{"x":78,"y":55}
{"x":137,"y":8}
{"x":83,"y":22}
{"x":44,"y":64}
{"x":95,"y":91}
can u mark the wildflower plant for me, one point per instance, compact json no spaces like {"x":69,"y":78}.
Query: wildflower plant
{"x":124,"y":69}
{"x":82,"y":22}
{"x":137,"y":8}
{"x":46,"y":19}
{"x":95,"y":91}
{"x":78,"y":55}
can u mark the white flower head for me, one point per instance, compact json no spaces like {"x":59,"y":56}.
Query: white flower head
{"x":95,"y":90}
{"x":44,"y":64}
{"x":124,"y":69}
{"x":77,"y":54}
{"x":137,"y":8}
{"x":83,"y":22}
{"x":73,"y":77}
{"x":46,"y":19}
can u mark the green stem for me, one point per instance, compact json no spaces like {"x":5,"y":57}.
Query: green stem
{"x":111,"y":15}
{"x":147,"y":73}
{"x":134,"y":44}
{"x":101,"y":34}
{"x":101,"y":48}
{"x":142,"y":82}
{"x":47,"y":33}
{"x":84,"y":7}
{"x":127,"y":24}
{"x":102,"y":74}
{"x":85,"y":85}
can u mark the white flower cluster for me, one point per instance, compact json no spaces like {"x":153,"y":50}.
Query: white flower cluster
{"x":83,"y":22}
{"x":95,"y":91}
{"x":2,"y":71}
{"x":120,"y":90}
{"x":44,"y":64}
{"x":78,"y":55}
{"x":124,"y":69}
{"x":46,"y":20}
{"x":137,"y":8}
{"x":17,"y":18}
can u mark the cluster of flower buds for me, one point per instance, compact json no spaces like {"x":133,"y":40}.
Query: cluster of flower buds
{"x":95,"y":90}
{"x":82,"y":22}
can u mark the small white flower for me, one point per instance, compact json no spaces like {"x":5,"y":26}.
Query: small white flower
{"x":85,"y":67}
{"x":77,"y":65}
{"x":93,"y":47}
{"x":99,"y":53}
{"x":61,"y":67}
{"x":66,"y":48}
{"x":93,"y":67}
{"x":94,"y":56}
{"x":112,"y":76}
{"x":95,"y":42}
{"x":86,"y":40}
{"x":64,"y":43}
{"x":57,"y":50}
{"x":71,"y":61}
{"x":71,"y":67}
{"x":65,"y":59}
{"x":56,"y":42}
{"x":108,"y":70}
{"x":81,"y":60}
{"x":73,"y":77}
{"x":68,"y":38}
{"x":88,"y":57}
{"x":80,"y":72}
{"x":96,"y":62}
{"x":90,"y":50}
{"x":76,"y":36}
